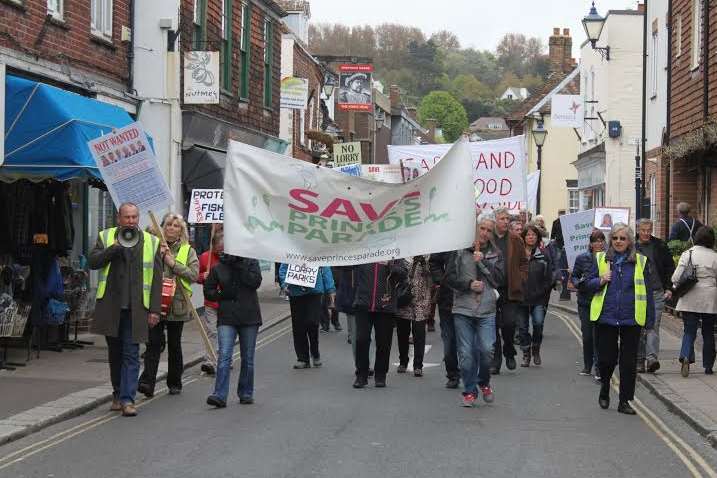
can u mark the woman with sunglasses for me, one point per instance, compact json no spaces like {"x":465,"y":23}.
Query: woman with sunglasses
{"x":621,"y":307}
{"x":583,"y":265}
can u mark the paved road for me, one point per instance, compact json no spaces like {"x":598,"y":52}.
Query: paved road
{"x":311,"y":423}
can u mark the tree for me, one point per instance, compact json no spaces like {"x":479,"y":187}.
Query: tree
{"x":467,"y":87}
{"x":425,"y":60}
{"x":447,"y":111}
{"x":446,"y":40}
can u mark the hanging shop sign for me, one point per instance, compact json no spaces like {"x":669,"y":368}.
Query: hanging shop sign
{"x":201,"y":77}
{"x":567,"y":111}
{"x":294,"y":93}
{"x":355,"y":87}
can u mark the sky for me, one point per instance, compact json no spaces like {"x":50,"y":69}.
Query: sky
{"x":477,"y":23}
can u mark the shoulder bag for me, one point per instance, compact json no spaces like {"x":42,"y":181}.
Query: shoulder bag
{"x":687,"y":280}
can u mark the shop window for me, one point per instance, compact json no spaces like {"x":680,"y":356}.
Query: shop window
{"x":54,"y":8}
{"x":268,"y":62}
{"x":573,"y":200}
{"x":199,"y":24}
{"x":696,"y":32}
{"x":244,"y":50}
{"x":101,"y":18}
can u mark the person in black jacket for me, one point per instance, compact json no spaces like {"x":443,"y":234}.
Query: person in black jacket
{"x":584,"y":265}
{"x":443,"y":295}
{"x":233,"y":283}
{"x":375,"y":305}
{"x":662,"y":267}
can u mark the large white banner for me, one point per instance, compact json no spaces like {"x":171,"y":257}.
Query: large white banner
{"x":282,"y":209}
{"x":567,"y":111}
{"x":130,"y":169}
{"x":577,"y":228}
{"x":498,"y":168}
{"x":201,"y":77}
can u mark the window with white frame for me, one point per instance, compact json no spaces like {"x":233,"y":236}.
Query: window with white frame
{"x":678,"y":36}
{"x":573,"y":200}
{"x":54,"y":8}
{"x":653,"y":61}
{"x":696,"y":32}
{"x":101,"y":18}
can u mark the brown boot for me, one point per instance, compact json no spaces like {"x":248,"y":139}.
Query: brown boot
{"x":526,"y":358}
{"x":129,"y":410}
{"x":536,"y":355}
{"x":116,"y":405}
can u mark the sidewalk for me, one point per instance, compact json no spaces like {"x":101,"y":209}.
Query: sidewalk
{"x":692,"y":398}
{"x":58,"y":386}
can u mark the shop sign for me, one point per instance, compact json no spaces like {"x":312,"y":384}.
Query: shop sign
{"x":355,"y":88}
{"x":201,"y":77}
{"x":294,"y":93}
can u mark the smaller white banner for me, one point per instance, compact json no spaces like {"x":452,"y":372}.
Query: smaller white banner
{"x":346,"y":154}
{"x":577,"y":228}
{"x":130,"y":170}
{"x":384,"y":173}
{"x":567,"y":111}
{"x":606,"y":217}
{"x":201,"y":77}
{"x":294,"y":93}
{"x":206,"y":206}
{"x":302,"y":275}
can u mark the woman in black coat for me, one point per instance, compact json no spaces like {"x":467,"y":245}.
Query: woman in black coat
{"x":233,"y":284}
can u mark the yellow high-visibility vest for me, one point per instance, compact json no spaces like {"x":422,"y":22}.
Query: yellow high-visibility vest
{"x":149,"y":249}
{"x":182,"y":258}
{"x":640,"y":290}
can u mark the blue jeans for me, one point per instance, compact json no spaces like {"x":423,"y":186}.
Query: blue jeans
{"x":692,"y":321}
{"x":123,"y":356}
{"x":227,"y":335}
{"x":536,"y":315}
{"x":475,"y":337}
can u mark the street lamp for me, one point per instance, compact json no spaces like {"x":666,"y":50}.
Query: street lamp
{"x":329,"y":85}
{"x":593,"y":25}
{"x":539,"y":136}
{"x":380,"y":118}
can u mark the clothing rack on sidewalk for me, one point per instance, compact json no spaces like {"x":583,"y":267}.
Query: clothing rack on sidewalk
{"x":13,"y":319}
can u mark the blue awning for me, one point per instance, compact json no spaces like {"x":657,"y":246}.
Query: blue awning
{"x":47,"y":130}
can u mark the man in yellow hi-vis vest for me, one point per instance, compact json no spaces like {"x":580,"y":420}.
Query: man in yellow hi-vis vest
{"x":129,"y":294}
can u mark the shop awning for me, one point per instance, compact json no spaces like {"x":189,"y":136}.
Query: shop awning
{"x":47,"y":130}
{"x":203,"y":168}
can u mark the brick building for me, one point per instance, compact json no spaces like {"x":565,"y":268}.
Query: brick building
{"x":687,"y":171}
{"x":248,"y":37}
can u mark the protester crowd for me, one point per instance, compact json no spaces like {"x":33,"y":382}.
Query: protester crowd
{"x":491,"y":298}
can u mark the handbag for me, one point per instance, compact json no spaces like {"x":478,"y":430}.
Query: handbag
{"x":687,"y":280}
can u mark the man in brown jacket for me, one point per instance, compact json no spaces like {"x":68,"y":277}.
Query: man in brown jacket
{"x":515,"y":261}
{"x":129,"y":295}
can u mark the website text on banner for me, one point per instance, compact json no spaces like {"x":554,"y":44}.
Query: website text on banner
{"x":498,"y":168}
{"x":285,"y":210}
{"x":206,"y":206}
{"x":577,"y":228}
{"x":130,"y":169}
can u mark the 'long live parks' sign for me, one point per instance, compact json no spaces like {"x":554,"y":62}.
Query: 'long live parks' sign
{"x":130,"y":169}
{"x":206,"y":206}
{"x":285,"y":210}
{"x":498,"y":168}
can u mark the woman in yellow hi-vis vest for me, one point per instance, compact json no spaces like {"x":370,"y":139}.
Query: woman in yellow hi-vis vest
{"x":621,"y":307}
{"x":182,"y":265}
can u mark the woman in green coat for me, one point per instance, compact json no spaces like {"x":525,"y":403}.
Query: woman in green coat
{"x":182,"y":265}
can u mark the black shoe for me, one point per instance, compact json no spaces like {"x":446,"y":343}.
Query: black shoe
{"x":452,"y":383}
{"x":317,"y":362}
{"x":494,"y":371}
{"x":510,"y":363}
{"x":370,"y":372}
{"x":145,"y":390}
{"x":709,"y":371}
{"x":604,"y":402}
{"x":324,"y":330}
{"x":381,"y":382}
{"x":624,"y":407}
{"x":402,"y":368}
{"x":585,"y":372}
{"x":175,"y":390}
{"x":360,"y":382}
{"x":215,"y":401}
{"x":653,"y":366}
{"x":300,"y":364}
{"x":208,"y":369}
{"x":246,"y":400}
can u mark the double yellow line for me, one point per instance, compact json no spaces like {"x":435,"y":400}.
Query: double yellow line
{"x":692,"y":460}
{"x":63,"y":436}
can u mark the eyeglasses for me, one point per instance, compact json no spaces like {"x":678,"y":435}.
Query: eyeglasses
{"x":619,"y":238}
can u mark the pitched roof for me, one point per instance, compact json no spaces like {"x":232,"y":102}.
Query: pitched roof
{"x":553,"y":82}
{"x":489,"y":123}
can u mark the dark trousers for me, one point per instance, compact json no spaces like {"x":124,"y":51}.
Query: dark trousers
{"x":328,"y":316}
{"x":404,"y":327}
{"x":175,"y":365}
{"x":448,"y":335}
{"x":589,"y":343}
{"x":383,"y":332}
{"x":305,"y":317}
{"x":608,"y":352}
{"x":507,"y":316}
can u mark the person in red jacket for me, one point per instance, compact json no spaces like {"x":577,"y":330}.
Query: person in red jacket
{"x":209,"y":318}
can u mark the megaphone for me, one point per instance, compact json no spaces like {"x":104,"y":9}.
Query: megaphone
{"x":128,"y":236}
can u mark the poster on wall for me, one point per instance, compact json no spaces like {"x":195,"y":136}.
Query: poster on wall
{"x":130,"y":169}
{"x":201,"y":77}
{"x":567,"y":111}
{"x":294,"y":93}
{"x":606,"y":217}
{"x":355,"y":87}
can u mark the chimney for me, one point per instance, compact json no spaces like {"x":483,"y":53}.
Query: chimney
{"x":412,"y":112}
{"x":394,"y":93}
{"x":560,"y":51}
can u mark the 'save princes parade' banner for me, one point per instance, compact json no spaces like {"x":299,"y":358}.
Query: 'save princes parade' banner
{"x":281,"y":209}
{"x":498,"y":168}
